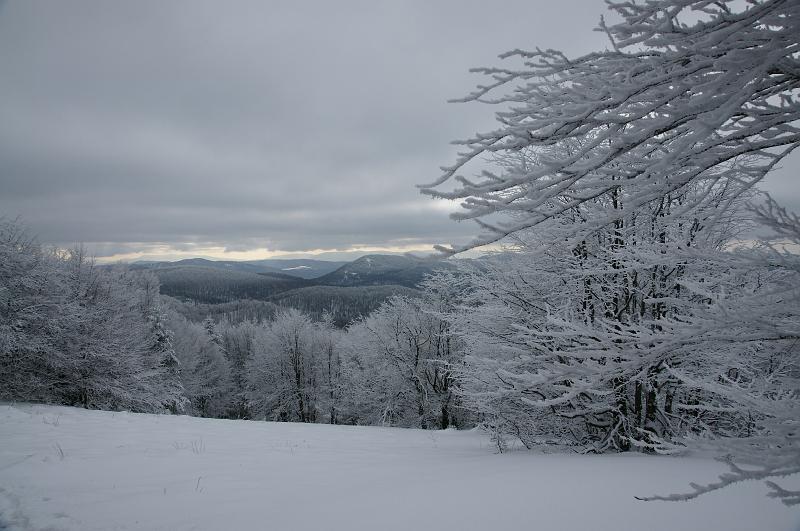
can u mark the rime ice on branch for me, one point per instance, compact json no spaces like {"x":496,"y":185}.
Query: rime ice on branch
{"x":686,"y":91}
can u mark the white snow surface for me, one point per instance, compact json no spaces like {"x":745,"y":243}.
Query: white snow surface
{"x":70,"y":469}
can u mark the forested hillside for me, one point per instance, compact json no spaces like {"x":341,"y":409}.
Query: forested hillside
{"x":212,"y":285}
{"x":384,"y":269}
{"x":235,"y":312}
{"x":351,"y":290}
{"x":343,"y":304}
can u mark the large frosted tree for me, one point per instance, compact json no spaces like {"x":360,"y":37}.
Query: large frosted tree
{"x":621,"y":173}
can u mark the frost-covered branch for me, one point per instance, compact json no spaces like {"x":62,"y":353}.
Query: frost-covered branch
{"x":671,"y":104}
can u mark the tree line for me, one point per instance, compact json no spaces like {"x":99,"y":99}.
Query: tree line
{"x":97,"y":337}
{"x":395,"y":367}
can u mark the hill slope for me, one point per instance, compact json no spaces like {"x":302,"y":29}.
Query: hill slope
{"x":71,"y":469}
{"x":382,"y":269}
{"x":348,"y":290}
{"x":344,"y":303}
{"x":214,"y":285}
{"x":300,"y":267}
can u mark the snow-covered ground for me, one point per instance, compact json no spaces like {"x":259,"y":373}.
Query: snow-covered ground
{"x":64,"y":468}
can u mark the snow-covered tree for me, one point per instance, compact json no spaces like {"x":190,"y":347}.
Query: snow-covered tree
{"x":28,"y":317}
{"x":75,"y":333}
{"x":621,"y":173}
{"x":285,"y":369}
{"x":164,"y":367}
{"x":329,"y":343}
{"x":403,"y":355}
{"x":238,"y":344}
{"x":116,"y":359}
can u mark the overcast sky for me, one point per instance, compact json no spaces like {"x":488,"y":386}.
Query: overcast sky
{"x":155,"y":129}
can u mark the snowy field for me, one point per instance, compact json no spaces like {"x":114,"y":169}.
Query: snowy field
{"x":64,"y":468}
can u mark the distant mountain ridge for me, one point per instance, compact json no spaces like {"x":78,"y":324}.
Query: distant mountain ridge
{"x":345,"y":290}
{"x":383,"y":269}
{"x":369,"y":270}
{"x":301,"y":267}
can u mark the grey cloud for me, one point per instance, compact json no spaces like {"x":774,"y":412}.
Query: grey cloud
{"x":292,"y":126}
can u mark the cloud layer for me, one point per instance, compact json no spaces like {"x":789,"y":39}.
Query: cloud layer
{"x":155,"y":126}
